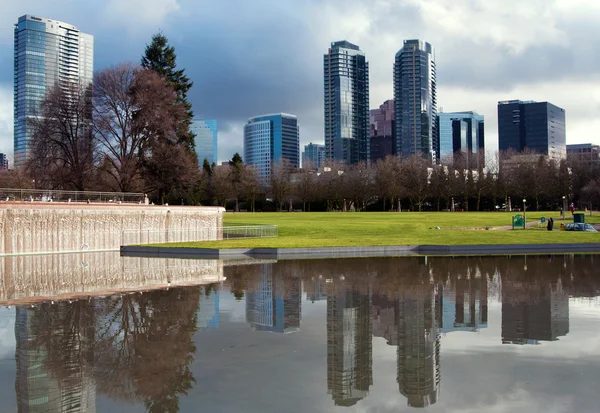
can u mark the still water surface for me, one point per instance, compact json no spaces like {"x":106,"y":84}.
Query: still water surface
{"x":496,"y":334}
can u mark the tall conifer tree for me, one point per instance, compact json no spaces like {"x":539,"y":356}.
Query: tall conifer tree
{"x":161,"y":58}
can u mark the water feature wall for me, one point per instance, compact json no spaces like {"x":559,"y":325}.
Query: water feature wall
{"x":63,"y":227}
{"x":61,"y":276}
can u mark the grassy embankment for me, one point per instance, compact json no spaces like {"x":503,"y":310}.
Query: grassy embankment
{"x":306,"y":229}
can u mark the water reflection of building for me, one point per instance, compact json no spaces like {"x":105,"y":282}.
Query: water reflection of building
{"x":273,"y":302}
{"x":419,"y":313}
{"x":384,"y":319}
{"x":208,"y":311}
{"x":315,"y":289}
{"x":37,"y":389}
{"x":533,"y":312}
{"x":464,"y":305}
{"x":349,"y":345}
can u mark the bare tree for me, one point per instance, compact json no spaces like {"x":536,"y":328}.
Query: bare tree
{"x":305,"y":187}
{"x":359,"y":185}
{"x":415,"y":178}
{"x":63,"y":147}
{"x":438,"y":187}
{"x":388,"y":184}
{"x":281,"y":186}
{"x":251,"y":186}
{"x":136,"y":116}
{"x":221,"y":184}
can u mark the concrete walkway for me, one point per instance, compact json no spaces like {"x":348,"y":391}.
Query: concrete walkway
{"x":348,"y":252}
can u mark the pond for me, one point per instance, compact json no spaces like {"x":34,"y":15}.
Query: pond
{"x":445,"y":334}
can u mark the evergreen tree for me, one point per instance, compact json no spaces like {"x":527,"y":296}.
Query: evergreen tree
{"x":206,"y":167}
{"x":160,"y":57}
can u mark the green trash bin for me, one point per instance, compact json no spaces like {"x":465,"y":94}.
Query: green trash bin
{"x":579,"y":218}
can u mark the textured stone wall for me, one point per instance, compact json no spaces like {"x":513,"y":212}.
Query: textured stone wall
{"x":62,"y":276}
{"x":48,"y":227}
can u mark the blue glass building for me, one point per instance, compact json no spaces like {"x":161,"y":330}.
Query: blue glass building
{"x":346,"y":87}
{"x":274,"y":302}
{"x":460,"y":132}
{"x":270,"y":138}
{"x":415,"y":97}
{"x":47,"y":53}
{"x":315,"y":154}
{"x":206,"y":140}
{"x":539,"y":126}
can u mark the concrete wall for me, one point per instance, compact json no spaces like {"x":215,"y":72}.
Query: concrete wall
{"x":62,"y":227}
{"x":30,"y":278}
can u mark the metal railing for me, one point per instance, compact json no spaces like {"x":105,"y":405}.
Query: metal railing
{"x":152,"y":236}
{"x":43,"y":195}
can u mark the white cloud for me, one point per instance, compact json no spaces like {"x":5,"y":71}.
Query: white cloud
{"x":140,"y":15}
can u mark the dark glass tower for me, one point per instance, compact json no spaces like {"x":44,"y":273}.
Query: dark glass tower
{"x":346,"y":87}
{"x":415,"y":98}
{"x":539,"y":126}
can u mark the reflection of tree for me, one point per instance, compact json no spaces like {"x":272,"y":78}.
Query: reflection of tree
{"x":145,"y":346}
{"x":137,"y":346}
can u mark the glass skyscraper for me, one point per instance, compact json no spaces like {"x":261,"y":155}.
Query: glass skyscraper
{"x":539,"y":126}
{"x":206,"y":140}
{"x":460,"y":132}
{"x":47,"y":53}
{"x":415,"y":99}
{"x":270,"y":138}
{"x":346,"y":78}
{"x":315,"y":154}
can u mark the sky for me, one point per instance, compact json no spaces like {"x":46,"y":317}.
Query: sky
{"x":248,"y":58}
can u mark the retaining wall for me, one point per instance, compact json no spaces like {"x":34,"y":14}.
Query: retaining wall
{"x":63,"y":227}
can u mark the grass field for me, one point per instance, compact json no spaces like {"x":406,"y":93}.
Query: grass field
{"x":331,"y":229}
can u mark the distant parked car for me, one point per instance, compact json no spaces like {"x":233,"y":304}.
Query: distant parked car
{"x":577,"y":226}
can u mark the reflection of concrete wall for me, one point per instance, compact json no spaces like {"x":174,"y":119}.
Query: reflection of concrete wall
{"x":53,"y":275}
{"x":38,"y":227}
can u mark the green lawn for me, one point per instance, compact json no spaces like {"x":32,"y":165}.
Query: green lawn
{"x":331,"y":229}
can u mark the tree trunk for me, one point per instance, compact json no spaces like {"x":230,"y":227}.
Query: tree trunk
{"x":303,"y":206}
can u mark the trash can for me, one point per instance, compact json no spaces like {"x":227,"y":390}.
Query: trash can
{"x":579,"y":218}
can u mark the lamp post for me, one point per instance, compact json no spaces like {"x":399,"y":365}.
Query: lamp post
{"x":452,"y":205}
{"x":524,"y":213}
{"x":564,"y":207}
{"x":509,"y":205}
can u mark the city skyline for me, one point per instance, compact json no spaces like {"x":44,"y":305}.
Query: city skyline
{"x":544,"y":61}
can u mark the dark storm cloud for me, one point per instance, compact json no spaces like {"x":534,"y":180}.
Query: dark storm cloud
{"x":249,"y":58}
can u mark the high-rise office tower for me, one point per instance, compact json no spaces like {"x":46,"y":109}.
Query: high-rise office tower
{"x":460,"y":133}
{"x":382,"y":132}
{"x":346,"y":77}
{"x":538,"y":126}
{"x":206,"y":140}
{"x":47,"y":53}
{"x":315,"y":154}
{"x":415,"y":99}
{"x":270,"y":138}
